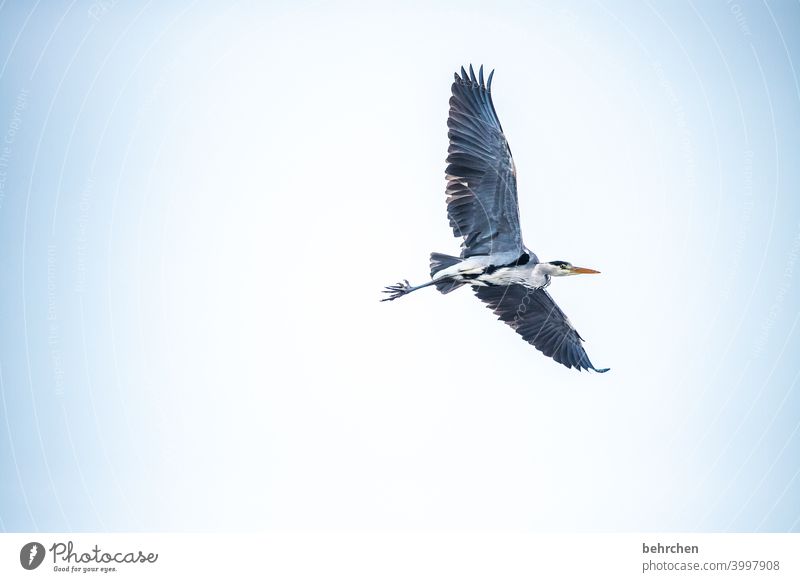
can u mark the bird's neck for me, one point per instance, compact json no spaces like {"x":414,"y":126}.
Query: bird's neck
{"x":546,"y":269}
{"x":540,"y":274}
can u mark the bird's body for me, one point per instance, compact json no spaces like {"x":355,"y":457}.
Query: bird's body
{"x":497,"y":270}
{"x":483,"y":210}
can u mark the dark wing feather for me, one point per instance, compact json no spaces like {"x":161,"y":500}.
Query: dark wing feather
{"x":534,"y":315}
{"x":481,"y":179}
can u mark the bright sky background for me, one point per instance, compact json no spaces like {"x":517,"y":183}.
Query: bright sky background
{"x":199,"y":206}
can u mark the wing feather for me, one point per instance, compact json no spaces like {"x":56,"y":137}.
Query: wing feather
{"x":481,"y":178}
{"x":534,"y":315}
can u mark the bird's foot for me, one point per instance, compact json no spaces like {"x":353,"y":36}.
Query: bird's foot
{"x":398,"y":290}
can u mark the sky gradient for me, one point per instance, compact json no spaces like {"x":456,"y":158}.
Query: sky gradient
{"x":199,"y":206}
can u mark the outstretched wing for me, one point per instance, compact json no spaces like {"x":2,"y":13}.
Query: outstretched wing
{"x":534,"y":315}
{"x":481,"y":179}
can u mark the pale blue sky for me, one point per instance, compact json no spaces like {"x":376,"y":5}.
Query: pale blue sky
{"x":200,"y":206}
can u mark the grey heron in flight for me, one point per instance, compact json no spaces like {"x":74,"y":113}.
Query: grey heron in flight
{"x":483,"y":210}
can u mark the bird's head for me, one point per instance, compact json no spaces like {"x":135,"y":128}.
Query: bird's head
{"x":563,"y":268}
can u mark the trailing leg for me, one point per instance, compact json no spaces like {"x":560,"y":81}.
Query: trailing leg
{"x":402,"y":288}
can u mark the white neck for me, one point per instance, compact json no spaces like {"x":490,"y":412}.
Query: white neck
{"x":539,"y":274}
{"x":547,"y":269}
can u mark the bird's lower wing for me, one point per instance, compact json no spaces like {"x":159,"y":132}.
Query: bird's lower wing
{"x":534,"y":315}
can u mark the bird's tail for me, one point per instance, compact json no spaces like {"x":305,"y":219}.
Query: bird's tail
{"x":441,"y":261}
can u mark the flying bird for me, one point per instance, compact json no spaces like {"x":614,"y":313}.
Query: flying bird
{"x":483,"y":210}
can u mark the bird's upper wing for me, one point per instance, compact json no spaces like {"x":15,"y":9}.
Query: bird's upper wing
{"x":535,"y":316}
{"x":481,"y":179}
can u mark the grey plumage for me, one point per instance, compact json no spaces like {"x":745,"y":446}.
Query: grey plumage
{"x":483,"y":210}
{"x":481,"y":178}
{"x":534,"y":315}
{"x":440,"y":261}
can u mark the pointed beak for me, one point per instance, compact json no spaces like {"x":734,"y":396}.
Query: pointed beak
{"x":583,"y":271}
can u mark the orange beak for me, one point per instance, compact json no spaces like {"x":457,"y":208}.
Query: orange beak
{"x":584,"y":271}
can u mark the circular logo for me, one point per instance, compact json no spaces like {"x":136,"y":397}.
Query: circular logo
{"x":31,"y":555}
